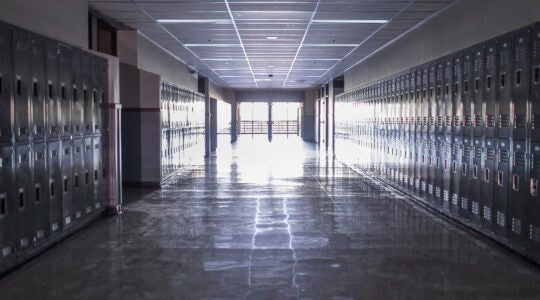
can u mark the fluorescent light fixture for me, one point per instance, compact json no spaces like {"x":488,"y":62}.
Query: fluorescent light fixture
{"x":212,"y":45}
{"x":266,"y":79}
{"x":194,"y":21}
{"x":270,"y":66}
{"x":351,"y":21}
{"x":271,"y":37}
{"x":331,"y":45}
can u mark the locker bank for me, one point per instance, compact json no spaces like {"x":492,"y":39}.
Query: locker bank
{"x":308,"y":149}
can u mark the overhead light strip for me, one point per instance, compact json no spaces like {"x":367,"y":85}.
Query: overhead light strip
{"x":370,"y":36}
{"x":193,"y":21}
{"x":350,"y":21}
{"x":240,"y":40}
{"x":302,"y":42}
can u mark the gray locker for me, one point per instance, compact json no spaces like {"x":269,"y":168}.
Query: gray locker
{"x":78,"y":172}
{"x":455,"y":174}
{"x":457,"y":96}
{"x":103,"y":171}
{"x":68,"y":210}
{"x":37,"y":87}
{"x":502,"y":188}
{"x":488,"y":179}
{"x":520,"y":86}
{"x":535,"y":84}
{"x":65,"y":88}
{"x":477,"y":90}
{"x":447,"y":92}
{"x":466,"y":93}
{"x":21,"y":83}
{"x":533,"y":206}
{"x":88,"y":178}
{"x":6,"y":104}
{"x":431,"y":99}
{"x":87,"y":89}
{"x":77,"y":106}
{"x":53,"y":103}
{"x":98,"y":172}
{"x":491,"y":112}
{"x":24,"y":198}
{"x":54,"y":153}
{"x":476,"y":179}
{"x":504,"y":84}
{"x":465,"y":178}
{"x":8,"y":210}
{"x":519,"y":185}
{"x":99,"y":69}
{"x":40,"y":192}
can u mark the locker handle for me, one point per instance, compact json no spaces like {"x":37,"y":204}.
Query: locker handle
{"x":536,"y":72}
{"x":38,"y":193}
{"x":475,"y":172}
{"x":486,"y":175}
{"x":464,"y":169}
{"x":503,"y":80}
{"x":21,"y":198}
{"x":35,"y":88}
{"x":518,"y":77}
{"x":1,"y":85}
{"x":534,"y":187}
{"x":52,"y":189}
{"x":500,"y":178}
{"x":19,"y":87}
{"x":515,"y":182}
{"x":3,"y":205}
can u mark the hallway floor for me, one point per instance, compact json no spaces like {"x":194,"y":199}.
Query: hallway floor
{"x":273,"y":221}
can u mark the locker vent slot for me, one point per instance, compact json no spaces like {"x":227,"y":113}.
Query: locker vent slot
{"x":503,"y":156}
{"x":490,"y":121}
{"x":519,"y":121}
{"x":477,"y":152}
{"x":430,"y":189}
{"x":437,"y":192}
{"x":487,"y":213}
{"x":534,"y":233}
{"x":55,"y":226}
{"x":467,"y":121}
{"x":490,"y":154}
{"x":477,"y":121}
{"x":535,"y":121}
{"x":519,"y":159}
{"x":536,"y":161}
{"x":3,"y":205}
{"x":448,"y":121}
{"x":475,"y":208}
{"x":466,"y":151}
{"x":6,"y":251}
{"x":455,"y":199}
{"x":464,"y":202}
{"x":446,"y":196}
{"x":516,"y":225}
{"x":501,"y":219}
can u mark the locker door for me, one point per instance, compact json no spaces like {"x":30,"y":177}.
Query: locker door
{"x":533,"y":206}
{"x":8,"y":210}
{"x":97,"y":94}
{"x":41,"y":201}
{"x":87,"y":89}
{"x":78,"y":178}
{"x":439,"y":167}
{"x":504,"y":86}
{"x":89,"y":176}
{"x":439,"y":98}
{"x":502,"y":177}
{"x":24,"y":198}
{"x":477,"y":90}
{"x":490,"y":91}
{"x":519,"y":192}
{"x":6,"y":104}
{"x":65,"y":89}
{"x":55,"y":187}
{"x":68,"y":210}
{"x":77,"y":103}
{"x":103,"y":163}
{"x":488,"y":179}
{"x":457,"y":99}
{"x":21,"y":83}
{"x":535,"y":84}
{"x":465,"y":178}
{"x":37,"y":88}
{"x":476,"y":179}
{"x":520,"y":86}
{"x":466,"y":93}
{"x":447,"y":95}
{"x":455,"y":175}
{"x":51,"y":87}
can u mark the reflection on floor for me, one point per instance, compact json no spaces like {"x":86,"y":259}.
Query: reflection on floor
{"x":273,"y":221}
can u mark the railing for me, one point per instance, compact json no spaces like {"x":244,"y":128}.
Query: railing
{"x":253,"y":127}
{"x":285,"y":127}
{"x":278,"y":127}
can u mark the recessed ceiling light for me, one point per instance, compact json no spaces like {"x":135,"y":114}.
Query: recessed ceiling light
{"x":351,"y":21}
{"x":194,"y":21}
{"x":270,"y":66}
{"x":271,"y":37}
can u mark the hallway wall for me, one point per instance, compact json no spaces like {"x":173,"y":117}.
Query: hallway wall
{"x":461,"y":25}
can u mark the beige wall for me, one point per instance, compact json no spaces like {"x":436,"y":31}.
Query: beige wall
{"x":64,"y":20}
{"x":465,"y":23}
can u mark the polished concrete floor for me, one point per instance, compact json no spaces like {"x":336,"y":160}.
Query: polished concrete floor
{"x":273,"y":221}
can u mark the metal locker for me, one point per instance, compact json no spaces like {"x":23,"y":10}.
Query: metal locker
{"x":21,"y":83}
{"x":533,"y":203}
{"x":77,"y":103}
{"x":439,"y":97}
{"x":520,"y":86}
{"x":66,"y":188}
{"x":86,"y":90}
{"x":104,"y":79}
{"x":504,"y":86}
{"x":465,"y":208}
{"x":97,"y":171}
{"x":432,"y":168}
{"x":448,"y":95}
{"x":98,"y":93}
{"x":425,"y":99}
{"x":488,"y":179}
{"x":457,"y":99}
{"x":6,"y":103}
{"x":466,"y":93}
{"x":502,"y":187}
{"x":24,"y":198}
{"x":40,"y":195}
{"x":37,"y":87}
{"x":55,"y":181}
{"x":439,"y":184}
{"x":432,"y":101}
{"x":65,"y":88}
{"x":455,"y":175}
{"x":89,"y":176}
{"x":491,"y":112}
{"x":51,"y":89}
{"x":104,"y":172}
{"x":477,"y":90}
{"x":535,"y":84}
{"x":8,"y":210}
{"x":476,"y":179}
{"x":78,"y":172}
{"x":519,"y":185}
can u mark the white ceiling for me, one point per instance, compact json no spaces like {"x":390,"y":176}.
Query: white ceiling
{"x":228,"y":41}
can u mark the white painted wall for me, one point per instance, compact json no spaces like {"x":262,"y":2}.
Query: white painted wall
{"x":465,"y":23}
{"x":64,"y":20}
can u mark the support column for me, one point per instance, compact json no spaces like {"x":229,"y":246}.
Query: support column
{"x":234,"y":123}
{"x":207,"y":123}
{"x":213,"y":125}
{"x":270,"y":121}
